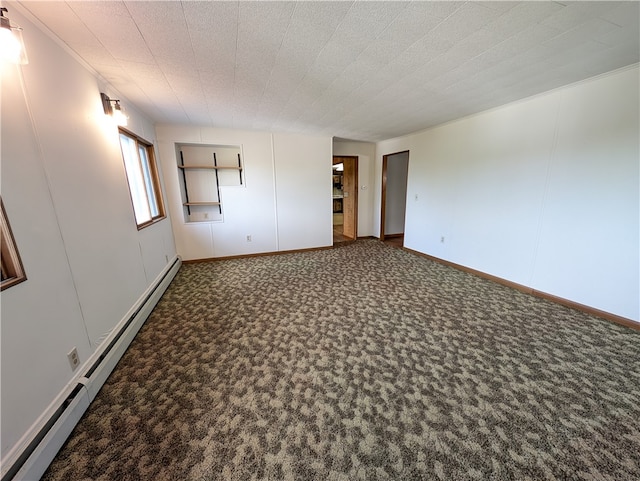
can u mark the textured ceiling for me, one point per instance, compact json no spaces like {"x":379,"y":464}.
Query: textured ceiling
{"x":357,"y":70}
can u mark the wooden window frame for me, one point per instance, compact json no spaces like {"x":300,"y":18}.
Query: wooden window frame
{"x":12,"y":269}
{"x":154,"y":174}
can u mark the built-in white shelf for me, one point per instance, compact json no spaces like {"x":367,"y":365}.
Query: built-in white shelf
{"x":204,"y":169}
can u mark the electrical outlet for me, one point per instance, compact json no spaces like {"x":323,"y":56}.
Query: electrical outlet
{"x":74,"y":360}
{"x":206,"y":215}
{"x":442,"y":239}
{"x":248,"y":238}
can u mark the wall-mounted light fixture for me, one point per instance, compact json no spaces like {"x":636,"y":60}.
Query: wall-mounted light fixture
{"x":11,"y":42}
{"x":115,"y":110}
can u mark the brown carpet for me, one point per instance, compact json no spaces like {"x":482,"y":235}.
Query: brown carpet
{"x":362,"y":362}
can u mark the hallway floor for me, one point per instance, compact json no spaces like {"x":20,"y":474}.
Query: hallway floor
{"x":395,"y":241}
{"x":338,"y":236}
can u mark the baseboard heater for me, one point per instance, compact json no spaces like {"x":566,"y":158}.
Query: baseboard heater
{"x":34,"y":459}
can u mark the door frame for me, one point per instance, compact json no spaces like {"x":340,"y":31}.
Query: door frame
{"x":355,"y":190}
{"x":383,"y":197}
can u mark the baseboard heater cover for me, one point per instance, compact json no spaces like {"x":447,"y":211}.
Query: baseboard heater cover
{"x":34,"y":460}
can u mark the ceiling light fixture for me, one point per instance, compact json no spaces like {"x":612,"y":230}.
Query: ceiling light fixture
{"x":11,"y":43}
{"x":115,"y":110}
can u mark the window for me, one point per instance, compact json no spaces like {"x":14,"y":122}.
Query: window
{"x":142,"y":174}
{"x":12,"y":270}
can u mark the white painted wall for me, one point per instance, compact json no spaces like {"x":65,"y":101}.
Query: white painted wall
{"x":542,"y":192}
{"x":65,"y":190}
{"x":304,"y":193}
{"x":284,"y":204}
{"x":396,"y":195}
{"x":366,"y":153}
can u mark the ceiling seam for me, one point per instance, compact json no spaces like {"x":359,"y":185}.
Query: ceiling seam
{"x":358,"y":56}
{"x":193,"y":52}
{"x":313,"y":63}
{"x":235,"y":67}
{"x":156,"y":62}
{"x":414,"y":43}
{"x":268,"y":82}
{"x":373,"y":99}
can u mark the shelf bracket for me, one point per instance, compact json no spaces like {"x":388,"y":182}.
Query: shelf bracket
{"x":215,"y":164}
{"x":184,"y":180}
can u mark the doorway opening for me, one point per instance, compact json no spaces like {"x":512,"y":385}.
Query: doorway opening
{"x":395,"y":169}
{"x":345,"y":198}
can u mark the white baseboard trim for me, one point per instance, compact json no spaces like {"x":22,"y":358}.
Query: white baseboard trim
{"x":39,"y":446}
{"x":46,"y":449}
{"x":117,"y":343}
